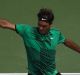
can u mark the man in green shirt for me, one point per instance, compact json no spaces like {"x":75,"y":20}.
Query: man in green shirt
{"x":40,"y":43}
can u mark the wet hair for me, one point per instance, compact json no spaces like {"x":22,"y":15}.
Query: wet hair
{"x":45,"y":15}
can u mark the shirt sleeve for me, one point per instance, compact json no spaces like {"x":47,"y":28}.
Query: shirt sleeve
{"x":21,"y":28}
{"x":61,"y":38}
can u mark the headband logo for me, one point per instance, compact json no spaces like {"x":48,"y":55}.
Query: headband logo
{"x":43,"y":19}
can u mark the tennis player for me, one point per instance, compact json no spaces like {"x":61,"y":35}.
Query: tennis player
{"x":41,"y":42}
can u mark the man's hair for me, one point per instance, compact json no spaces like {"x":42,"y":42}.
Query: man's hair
{"x":46,"y":15}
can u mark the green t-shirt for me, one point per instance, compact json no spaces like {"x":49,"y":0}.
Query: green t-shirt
{"x":40,"y":48}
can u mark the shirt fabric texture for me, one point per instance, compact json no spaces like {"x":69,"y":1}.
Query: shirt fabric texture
{"x":41,"y":49}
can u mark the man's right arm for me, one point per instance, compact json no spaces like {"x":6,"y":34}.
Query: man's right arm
{"x":6,"y":24}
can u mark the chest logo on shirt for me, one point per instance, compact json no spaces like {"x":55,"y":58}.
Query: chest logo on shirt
{"x":51,"y":38}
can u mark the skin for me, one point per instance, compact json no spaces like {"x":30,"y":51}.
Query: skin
{"x":7,"y":24}
{"x":43,"y":29}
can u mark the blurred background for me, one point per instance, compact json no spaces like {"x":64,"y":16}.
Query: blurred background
{"x":13,"y":58}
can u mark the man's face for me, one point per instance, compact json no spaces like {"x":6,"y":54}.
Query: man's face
{"x":43,"y":27}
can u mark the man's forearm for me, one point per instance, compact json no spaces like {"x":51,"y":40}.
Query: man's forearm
{"x":3,"y":23}
{"x":69,"y":43}
{"x":6,"y":24}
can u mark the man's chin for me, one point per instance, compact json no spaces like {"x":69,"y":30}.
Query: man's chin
{"x":43,"y":33}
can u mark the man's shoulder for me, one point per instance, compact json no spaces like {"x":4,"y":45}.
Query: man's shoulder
{"x":55,"y":29}
{"x":24,"y":26}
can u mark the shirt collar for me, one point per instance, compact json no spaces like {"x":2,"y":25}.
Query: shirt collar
{"x":48,"y":33}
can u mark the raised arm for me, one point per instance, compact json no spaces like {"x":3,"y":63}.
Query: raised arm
{"x":69,"y":43}
{"x":6,"y":24}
